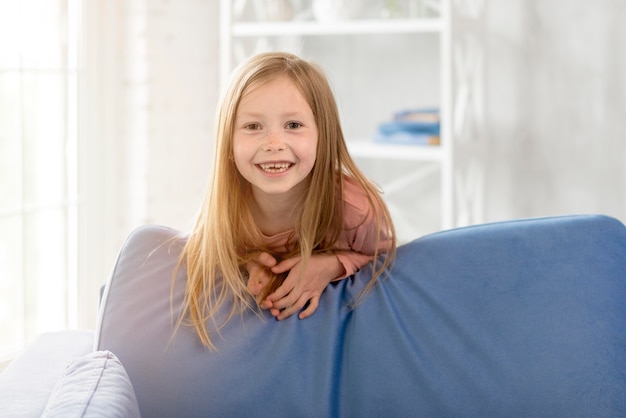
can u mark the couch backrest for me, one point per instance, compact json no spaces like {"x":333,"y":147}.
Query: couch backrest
{"x":521,"y":318}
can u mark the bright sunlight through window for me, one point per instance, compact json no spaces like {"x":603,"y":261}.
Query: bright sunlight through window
{"x":38,"y":168}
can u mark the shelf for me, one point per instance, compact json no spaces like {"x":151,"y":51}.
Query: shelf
{"x":423,"y":164}
{"x":348,"y":27}
{"x":364,"y":149}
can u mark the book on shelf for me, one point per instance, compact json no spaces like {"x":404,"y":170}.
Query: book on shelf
{"x":411,"y":127}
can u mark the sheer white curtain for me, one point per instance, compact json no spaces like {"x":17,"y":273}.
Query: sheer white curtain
{"x":38,"y":168}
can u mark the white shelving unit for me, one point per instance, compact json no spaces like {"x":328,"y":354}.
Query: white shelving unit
{"x":354,"y":27}
{"x":424,"y":160}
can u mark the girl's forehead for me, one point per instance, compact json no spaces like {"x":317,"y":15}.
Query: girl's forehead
{"x":272,"y":82}
{"x":276,"y":90}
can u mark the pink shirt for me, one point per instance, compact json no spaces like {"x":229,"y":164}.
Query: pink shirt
{"x":357,"y":242}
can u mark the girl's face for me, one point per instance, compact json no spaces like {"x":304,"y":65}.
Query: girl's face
{"x":275,"y":139}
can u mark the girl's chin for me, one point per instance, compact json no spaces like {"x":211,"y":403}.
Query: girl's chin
{"x":287,"y":189}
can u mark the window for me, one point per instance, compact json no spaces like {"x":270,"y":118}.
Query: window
{"x":39,"y":41}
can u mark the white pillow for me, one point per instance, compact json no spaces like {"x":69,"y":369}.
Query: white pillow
{"x":95,"y":385}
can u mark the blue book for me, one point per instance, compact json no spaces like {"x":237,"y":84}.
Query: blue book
{"x":414,"y":127}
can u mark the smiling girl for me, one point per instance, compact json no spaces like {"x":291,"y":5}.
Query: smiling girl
{"x":285,"y":199}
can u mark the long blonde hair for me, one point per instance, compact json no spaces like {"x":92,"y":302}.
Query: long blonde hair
{"x":225,"y":233}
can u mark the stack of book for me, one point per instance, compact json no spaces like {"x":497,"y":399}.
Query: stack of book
{"x":411,"y":127}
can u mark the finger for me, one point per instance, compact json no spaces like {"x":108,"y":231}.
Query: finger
{"x":287,"y":312}
{"x":257,"y":280}
{"x":283,"y":303}
{"x":253,"y":288}
{"x":275,"y":312}
{"x":279,"y":296}
{"x":290,"y":310}
{"x":313,"y":304}
{"x":285,"y":265}
{"x":257,"y":292}
{"x":266,"y":259}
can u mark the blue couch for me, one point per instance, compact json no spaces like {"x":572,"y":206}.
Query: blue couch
{"x":520,"y":318}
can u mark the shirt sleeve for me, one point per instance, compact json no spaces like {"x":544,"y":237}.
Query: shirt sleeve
{"x":358,"y":242}
{"x":352,"y":262}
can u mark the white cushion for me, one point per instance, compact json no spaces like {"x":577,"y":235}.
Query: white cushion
{"x":95,"y":385}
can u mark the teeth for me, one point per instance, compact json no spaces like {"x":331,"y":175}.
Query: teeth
{"x":274,"y":167}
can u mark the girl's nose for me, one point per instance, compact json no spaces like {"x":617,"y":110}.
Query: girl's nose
{"x":273,"y":142}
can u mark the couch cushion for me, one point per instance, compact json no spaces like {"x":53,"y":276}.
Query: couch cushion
{"x":26,"y":384}
{"x":94,"y":385}
{"x":521,"y":318}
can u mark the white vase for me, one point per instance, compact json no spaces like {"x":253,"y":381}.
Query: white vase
{"x":333,"y":10}
{"x":273,"y":10}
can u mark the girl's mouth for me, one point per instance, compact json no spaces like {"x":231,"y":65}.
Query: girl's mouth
{"x":274,"y":168}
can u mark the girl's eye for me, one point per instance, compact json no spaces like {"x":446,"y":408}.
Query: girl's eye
{"x":252,"y":126}
{"x":293,"y":125}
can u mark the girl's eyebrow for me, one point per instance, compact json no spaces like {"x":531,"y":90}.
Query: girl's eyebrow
{"x":249,"y":112}
{"x":293,"y":114}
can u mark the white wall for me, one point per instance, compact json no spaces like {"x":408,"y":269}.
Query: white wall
{"x":556,"y":100}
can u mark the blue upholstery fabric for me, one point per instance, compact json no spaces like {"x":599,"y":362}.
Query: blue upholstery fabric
{"x":520,"y":318}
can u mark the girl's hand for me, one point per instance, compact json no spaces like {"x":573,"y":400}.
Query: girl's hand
{"x":259,"y":274}
{"x":294,"y":293}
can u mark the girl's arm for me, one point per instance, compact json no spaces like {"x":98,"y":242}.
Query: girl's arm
{"x":294,"y":294}
{"x":361,"y":238}
{"x":359,"y":246}
{"x":352,"y":261}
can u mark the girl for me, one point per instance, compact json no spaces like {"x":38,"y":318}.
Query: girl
{"x":285,"y":200}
